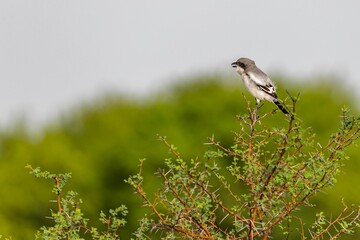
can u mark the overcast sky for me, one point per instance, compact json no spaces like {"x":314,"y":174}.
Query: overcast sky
{"x":54,"y":54}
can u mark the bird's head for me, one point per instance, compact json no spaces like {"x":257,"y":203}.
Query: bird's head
{"x":242,"y":64}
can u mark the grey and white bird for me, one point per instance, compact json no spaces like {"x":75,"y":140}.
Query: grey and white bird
{"x":257,"y":82}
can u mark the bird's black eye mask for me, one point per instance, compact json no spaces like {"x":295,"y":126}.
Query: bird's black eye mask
{"x":241,"y":65}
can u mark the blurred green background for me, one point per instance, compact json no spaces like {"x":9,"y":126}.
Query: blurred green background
{"x":101,"y":141}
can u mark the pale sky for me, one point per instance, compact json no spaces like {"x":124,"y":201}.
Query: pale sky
{"x":55,"y":54}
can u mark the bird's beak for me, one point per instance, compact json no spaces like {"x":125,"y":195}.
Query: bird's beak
{"x":234,"y":64}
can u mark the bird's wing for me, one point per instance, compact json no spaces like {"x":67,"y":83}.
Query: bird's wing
{"x":263,"y":82}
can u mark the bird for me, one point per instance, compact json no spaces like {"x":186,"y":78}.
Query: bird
{"x":257,"y":83}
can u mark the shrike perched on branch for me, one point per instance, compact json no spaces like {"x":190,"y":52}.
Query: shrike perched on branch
{"x":257,"y":82}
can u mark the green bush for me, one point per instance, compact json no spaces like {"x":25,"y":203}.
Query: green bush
{"x":100,"y":142}
{"x":270,"y":174}
{"x":69,"y":221}
{"x":253,"y":189}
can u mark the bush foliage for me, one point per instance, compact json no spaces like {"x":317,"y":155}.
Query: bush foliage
{"x":270,"y":173}
{"x":100,"y":142}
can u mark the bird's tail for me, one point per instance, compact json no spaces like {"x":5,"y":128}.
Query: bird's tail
{"x":281,"y":107}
